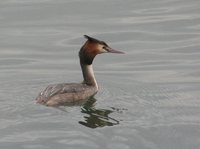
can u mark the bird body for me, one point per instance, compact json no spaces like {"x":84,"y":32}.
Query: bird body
{"x":63,"y":93}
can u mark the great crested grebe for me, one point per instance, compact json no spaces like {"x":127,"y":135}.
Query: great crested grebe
{"x":59,"y":94}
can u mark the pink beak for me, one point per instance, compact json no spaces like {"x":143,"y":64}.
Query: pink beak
{"x":110,"y":50}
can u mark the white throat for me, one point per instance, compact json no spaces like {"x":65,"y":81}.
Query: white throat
{"x":88,"y":75}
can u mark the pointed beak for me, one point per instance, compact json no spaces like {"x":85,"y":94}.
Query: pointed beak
{"x":110,"y":50}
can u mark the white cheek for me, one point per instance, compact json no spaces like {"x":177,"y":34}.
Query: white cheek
{"x":103,"y":51}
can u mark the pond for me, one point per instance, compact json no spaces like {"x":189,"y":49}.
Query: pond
{"x":148,"y":97}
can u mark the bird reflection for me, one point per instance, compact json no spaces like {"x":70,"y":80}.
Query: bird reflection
{"x":96,"y":117}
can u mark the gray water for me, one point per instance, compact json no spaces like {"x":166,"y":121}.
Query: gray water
{"x":149,"y":98}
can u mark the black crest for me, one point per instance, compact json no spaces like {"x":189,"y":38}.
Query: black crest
{"x":91,"y":38}
{"x":95,"y":40}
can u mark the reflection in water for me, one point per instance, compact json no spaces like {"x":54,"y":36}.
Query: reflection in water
{"x":96,"y":117}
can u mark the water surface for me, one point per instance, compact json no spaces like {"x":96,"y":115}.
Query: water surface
{"x":148,"y":98}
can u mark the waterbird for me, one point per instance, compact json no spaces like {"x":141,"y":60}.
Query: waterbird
{"x":64,"y":93}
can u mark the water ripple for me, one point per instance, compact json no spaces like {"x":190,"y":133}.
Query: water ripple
{"x":148,"y":97}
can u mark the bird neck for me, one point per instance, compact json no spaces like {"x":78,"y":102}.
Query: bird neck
{"x":88,"y":75}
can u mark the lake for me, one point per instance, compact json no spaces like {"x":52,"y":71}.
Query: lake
{"x":149,"y":98}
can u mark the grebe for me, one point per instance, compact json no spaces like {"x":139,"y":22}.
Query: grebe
{"x":59,"y":94}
